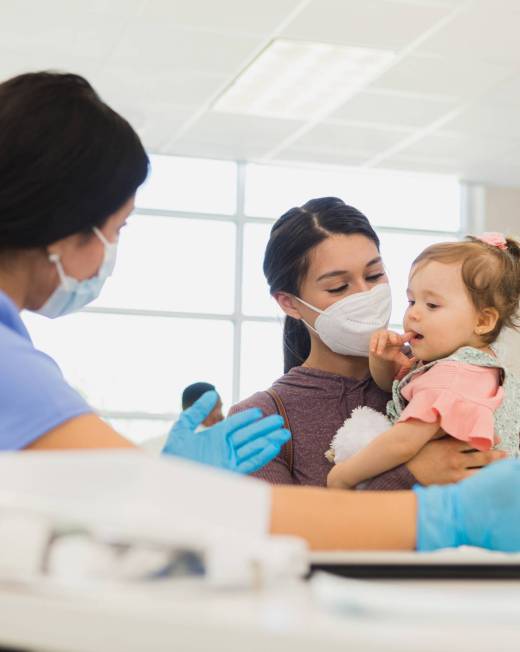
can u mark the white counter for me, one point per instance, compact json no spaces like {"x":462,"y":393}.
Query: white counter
{"x":185,"y":618}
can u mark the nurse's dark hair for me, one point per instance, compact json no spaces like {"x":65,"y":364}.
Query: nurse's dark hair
{"x":286,"y":262}
{"x":67,"y":160}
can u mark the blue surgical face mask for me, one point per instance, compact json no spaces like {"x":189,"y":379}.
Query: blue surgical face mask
{"x":72,"y":295}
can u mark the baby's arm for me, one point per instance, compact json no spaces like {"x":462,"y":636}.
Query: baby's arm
{"x":390,"y":449}
{"x":386,"y":357}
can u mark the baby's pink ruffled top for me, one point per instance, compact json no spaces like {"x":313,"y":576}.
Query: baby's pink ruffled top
{"x":462,"y":396}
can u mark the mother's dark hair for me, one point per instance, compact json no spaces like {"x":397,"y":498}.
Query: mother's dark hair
{"x":286,"y":262}
{"x":67,"y":160}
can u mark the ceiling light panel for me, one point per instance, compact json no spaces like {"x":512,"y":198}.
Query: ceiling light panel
{"x":302,"y":80}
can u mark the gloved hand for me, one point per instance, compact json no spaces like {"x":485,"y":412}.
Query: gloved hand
{"x":244,"y":442}
{"x":483,"y":510}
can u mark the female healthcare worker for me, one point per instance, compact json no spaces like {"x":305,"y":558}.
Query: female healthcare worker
{"x":69,"y":169}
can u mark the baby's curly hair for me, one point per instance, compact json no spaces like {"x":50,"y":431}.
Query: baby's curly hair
{"x":491,"y":276}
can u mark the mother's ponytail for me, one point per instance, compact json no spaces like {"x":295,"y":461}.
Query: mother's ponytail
{"x":286,"y":260}
{"x":296,"y":343}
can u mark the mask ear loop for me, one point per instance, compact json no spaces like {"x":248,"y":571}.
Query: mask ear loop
{"x":102,"y":237}
{"x":320,"y":312}
{"x":55,"y":258}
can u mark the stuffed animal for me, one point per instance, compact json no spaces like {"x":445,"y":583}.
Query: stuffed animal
{"x":363,"y":425}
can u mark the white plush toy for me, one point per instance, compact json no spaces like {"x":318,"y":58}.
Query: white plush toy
{"x":363,"y":425}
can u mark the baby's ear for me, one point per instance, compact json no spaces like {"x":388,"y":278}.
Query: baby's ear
{"x":487,"y":320}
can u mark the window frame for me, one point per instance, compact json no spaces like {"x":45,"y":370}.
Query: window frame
{"x":237,"y":317}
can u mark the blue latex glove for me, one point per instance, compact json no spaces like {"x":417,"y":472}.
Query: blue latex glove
{"x":244,"y":442}
{"x":483,"y":510}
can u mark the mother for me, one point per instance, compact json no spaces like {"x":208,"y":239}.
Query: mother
{"x":324,"y":268}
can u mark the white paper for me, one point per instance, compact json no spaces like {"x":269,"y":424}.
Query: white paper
{"x":405,"y":600}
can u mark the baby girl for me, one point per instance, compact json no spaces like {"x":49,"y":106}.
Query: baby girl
{"x":460,"y":296}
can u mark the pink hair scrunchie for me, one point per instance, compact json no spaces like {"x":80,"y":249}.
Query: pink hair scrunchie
{"x":494,"y":239}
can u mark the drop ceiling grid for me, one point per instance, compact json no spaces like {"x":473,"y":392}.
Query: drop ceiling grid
{"x":162,"y":63}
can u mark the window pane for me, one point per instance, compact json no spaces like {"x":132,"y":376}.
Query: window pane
{"x":262,"y":356}
{"x":166,"y":263}
{"x":418,"y":201}
{"x":138,"y":364}
{"x":256,"y":299}
{"x":189,"y":184}
{"x":398,"y":251}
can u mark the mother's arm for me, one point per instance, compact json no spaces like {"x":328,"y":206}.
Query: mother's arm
{"x":277,"y":471}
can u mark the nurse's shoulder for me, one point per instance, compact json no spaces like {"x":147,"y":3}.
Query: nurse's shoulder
{"x":38,"y":408}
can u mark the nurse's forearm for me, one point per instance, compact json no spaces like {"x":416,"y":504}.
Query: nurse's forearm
{"x":343,"y":520}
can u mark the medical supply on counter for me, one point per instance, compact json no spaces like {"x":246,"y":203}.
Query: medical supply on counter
{"x":124,"y":516}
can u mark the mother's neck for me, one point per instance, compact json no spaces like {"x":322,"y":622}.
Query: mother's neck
{"x":322,"y":358}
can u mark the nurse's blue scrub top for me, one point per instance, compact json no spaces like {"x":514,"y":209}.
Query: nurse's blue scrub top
{"x":34,"y":396}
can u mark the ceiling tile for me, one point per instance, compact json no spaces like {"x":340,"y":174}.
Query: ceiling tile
{"x":12,"y":64}
{"x":454,"y":146}
{"x":179,"y":87}
{"x":370,"y":23}
{"x":328,"y":157}
{"x":226,"y":151}
{"x":469,"y":34}
{"x":224,"y":15}
{"x":427,"y":165}
{"x":368,"y":140}
{"x":446,"y":3}
{"x":65,"y":10}
{"x":507,"y":93}
{"x":484,"y":120}
{"x":393,"y":109}
{"x":150,"y":44}
{"x":52,"y":29}
{"x":236,"y":134}
{"x":159,"y":125}
{"x":441,"y":76}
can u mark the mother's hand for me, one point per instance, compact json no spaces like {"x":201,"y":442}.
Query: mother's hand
{"x":447,"y":460}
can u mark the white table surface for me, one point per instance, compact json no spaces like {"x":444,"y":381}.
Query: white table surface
{"x":186,"y":618}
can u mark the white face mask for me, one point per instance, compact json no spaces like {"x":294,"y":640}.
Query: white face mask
{"x":347,"y":325}
{"x":72,"y":295}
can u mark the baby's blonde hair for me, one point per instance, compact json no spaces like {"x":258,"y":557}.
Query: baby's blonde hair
{"x":491,"y":276}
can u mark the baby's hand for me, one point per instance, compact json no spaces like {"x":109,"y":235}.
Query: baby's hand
{"x":387,"y":345}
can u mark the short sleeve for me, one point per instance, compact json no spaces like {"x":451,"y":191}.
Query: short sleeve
{"x":34,"y":396}
{"x":461,"y":396}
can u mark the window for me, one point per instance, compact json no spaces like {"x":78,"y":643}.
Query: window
{"x":262,"y":359}
{"x":256,"y":299}
{"x":183,"y":265}
{"x":391,"y":199}
{"x":188,"y":300}
{"x":191,"y":185}
{"x":136,"y":363}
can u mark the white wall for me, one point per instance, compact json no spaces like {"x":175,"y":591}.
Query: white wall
{"x":502,"y":209}
{"x":501,"y":212}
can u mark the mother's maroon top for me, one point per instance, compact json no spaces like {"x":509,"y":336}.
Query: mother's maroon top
{"x":317,"y":404}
